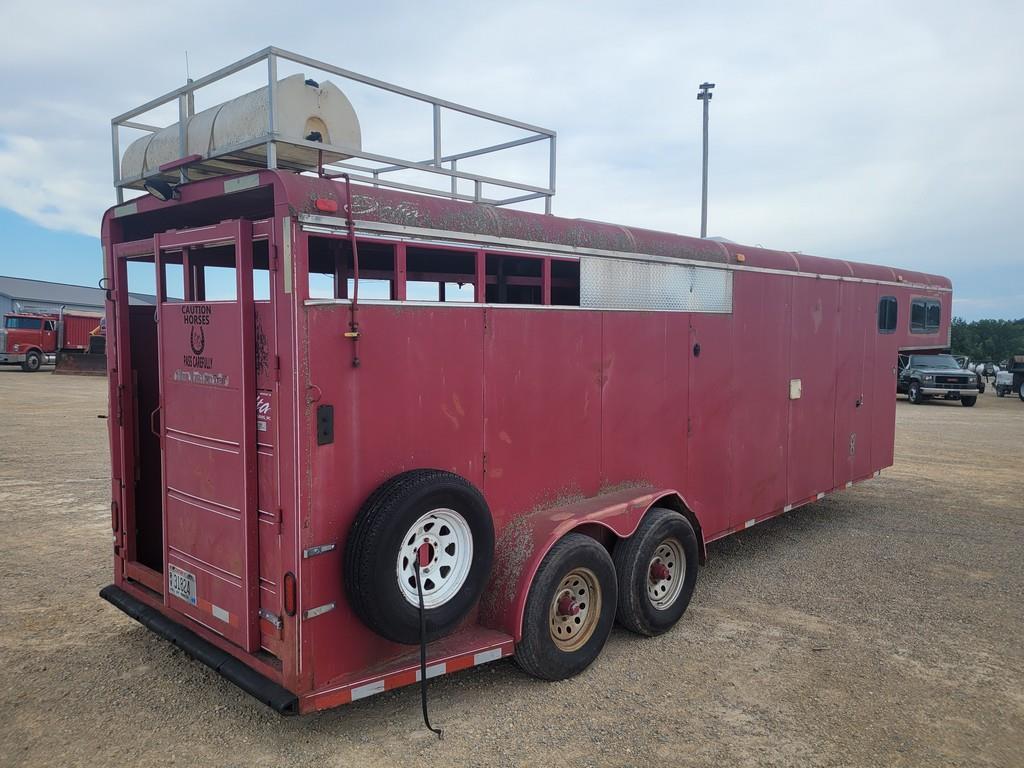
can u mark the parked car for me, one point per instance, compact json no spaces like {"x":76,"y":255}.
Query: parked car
{"x":965,"y":362}
{"x":1004,"y":383}
{"x":1012,"y":379}
{"x":925,"y":376}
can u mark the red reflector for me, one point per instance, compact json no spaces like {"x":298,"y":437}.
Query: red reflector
{"x":326,"y":205}
{"x":289,"y":593}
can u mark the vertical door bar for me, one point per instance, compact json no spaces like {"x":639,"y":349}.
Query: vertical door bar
{"x":250,"y":513}
{"x":545,"y":282}
{"x":399,"y":292}
{"x":161,"y":297}
{"x":480,"y":294}
{"x":186,"y":274}
{"x":124,"y":407}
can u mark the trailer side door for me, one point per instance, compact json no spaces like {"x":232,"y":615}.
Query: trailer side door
{"x":208,"y":433}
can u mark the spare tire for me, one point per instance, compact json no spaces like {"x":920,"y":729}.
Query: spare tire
{"x":422,"y":506}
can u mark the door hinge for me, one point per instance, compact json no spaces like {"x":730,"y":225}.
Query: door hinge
{"x":319,"y":549}
{"x":277,"y":367}
{"x":313,"y":612}
{"x":273,"y":257}
{"x":689,"y":426}
{"x":485,"y":464}
{"x":120,"y":401}
{"x":273,"y":618}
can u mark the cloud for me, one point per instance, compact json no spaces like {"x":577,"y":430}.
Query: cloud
{"x":974,"y":306}
{"x":32,"y":185}
{"x":872,"y":131}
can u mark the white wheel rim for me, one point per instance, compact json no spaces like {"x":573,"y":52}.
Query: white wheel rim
{"x":665,"y":574}
{"x":450,"y":543}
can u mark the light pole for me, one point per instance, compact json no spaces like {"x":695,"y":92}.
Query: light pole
{"x":704,"y":94}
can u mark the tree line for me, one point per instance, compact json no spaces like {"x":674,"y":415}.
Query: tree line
{"x":984,"y":340}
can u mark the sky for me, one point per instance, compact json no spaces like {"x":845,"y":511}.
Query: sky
{"x":873,"y":131}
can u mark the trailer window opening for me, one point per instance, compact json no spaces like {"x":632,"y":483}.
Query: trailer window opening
{"x":402,"y":272}
{"x":440,"y":274}
{"x":203,"y":274}
{"x":141,"y":275}
{"x":514,"y":279}
{"x":565,"y":282}
{"x":173,"y":288}
{"x":260,"y":270}
{"x":332,"y":271}
{"x":887,"y":314}
{"x":220,"y":283}
{"x":925,"y":316}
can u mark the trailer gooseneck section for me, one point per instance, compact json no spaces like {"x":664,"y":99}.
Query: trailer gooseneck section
{"x":532,"y":428}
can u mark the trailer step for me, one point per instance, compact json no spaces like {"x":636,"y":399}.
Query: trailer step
{"x":249,"y":680}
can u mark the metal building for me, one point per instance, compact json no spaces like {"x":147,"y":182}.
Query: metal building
{"x":19,"y":294}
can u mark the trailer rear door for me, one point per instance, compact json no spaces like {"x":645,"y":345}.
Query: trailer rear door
{"x":208,"y":431}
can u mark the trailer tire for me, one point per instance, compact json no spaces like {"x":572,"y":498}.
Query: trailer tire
{"x":968,"y":402}
{"x":557,"y":643}
{"x":1021,"y":392}
{"x":420,"y":506}
{"x":664,"y":540}
{"x":33,"y":361}
{"x":914,"y":395}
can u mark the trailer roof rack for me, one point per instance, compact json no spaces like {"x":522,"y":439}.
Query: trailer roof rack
{"x":377,"y":169}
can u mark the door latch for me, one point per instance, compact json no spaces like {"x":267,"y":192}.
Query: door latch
{"x":273,"y":618}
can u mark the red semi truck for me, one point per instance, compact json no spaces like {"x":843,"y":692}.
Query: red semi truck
{"x":531,"y":430}
{"x":33,"y":340}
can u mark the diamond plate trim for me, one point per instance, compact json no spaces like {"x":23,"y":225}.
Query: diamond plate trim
{"x":623,"y":284}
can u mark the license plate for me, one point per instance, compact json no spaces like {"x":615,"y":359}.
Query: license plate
{"x":182,"y":584}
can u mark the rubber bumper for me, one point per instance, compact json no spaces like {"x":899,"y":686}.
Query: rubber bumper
{"x":249,"y":680}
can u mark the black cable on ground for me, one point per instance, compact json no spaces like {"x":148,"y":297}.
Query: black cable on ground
{"x":423,"y":655}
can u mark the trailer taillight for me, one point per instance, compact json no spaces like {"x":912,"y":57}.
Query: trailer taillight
{"x":289,"y":593}
{"x":326,"y":205}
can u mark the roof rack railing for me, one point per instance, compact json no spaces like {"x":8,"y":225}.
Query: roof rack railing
{"x":262,"y":151}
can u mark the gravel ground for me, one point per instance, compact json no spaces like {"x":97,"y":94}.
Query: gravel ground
{"x":878,"y":627}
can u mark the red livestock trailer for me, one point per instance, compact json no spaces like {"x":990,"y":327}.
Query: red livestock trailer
{"x":402,"y":418}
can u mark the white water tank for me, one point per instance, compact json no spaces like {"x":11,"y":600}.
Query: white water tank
{"x":302,"y":109}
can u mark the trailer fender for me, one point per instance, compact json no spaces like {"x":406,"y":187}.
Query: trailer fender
{"x":525,"y":541}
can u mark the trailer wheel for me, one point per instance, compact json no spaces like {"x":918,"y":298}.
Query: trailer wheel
{"x":1021,"y":393}
{"x":967,"y":402}
{"x":657,"y":571}
{"x":32,"y":362}
{"x":422,"y":507}
{"x":914,"y":393}
{"x":570,"y":609}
